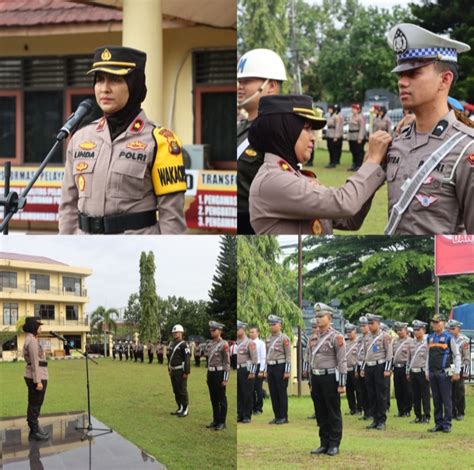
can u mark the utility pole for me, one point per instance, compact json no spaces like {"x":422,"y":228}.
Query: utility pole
{"x":300,"y":304}
{"x":294,"y":50}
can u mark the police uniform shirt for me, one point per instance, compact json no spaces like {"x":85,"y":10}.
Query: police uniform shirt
{"x":352,"y":352}
{"x":378,"y":348}
{"x":33,"y":354}
{"x":331,"y":126}
{"x":361,"y":348}
{"x":443,"y":351}
{"x":218,"y":356}
{"x":401,"y":348}
{"x":444,"y":203}
{"x":382,"y":124}
{"x":417,"y":352}
{"x":463,"y":345}
{"x":180,"y":355}
{"x":248,"y":164}
{"x":278,"y":350}
{"x":285,"y":201}
{"x":247,"y":354}
{"x":141,"y":170}
{"x":356,"y":128}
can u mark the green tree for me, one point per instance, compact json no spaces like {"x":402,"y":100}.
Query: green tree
{"x":101,"y":320}
{"x":132,"y":314}
{"x":456,"y":18}
{"x":223,"y":297}
{"x":261,"y":284}
{"x":149,"y":308}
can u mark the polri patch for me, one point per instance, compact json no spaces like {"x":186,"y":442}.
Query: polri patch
{"x":426,"y":200}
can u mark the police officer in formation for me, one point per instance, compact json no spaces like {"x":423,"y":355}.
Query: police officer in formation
{"x":278,"y":369}
{"x":123,"y":168}
{"x":376,"y":368}
{"x":416,"y":373}
{"x":356,"y":137}
{"x":120,"y":349}
{"x":352,"y":351}
{"x":159,"y":352}
{"x":260,"y":72}
{"x":313,"y":337}
{"x":127,"y":350}
{"x":459,"y":400}
{"x":401,"y":347}
{"x":218,"y":371}
{"x":366,"y":407}
{"x":114,"y":350}
{"x":429,"y":165}
{"x":247,"y":361}
{"x":149,"y":348}
{"x":179,"y":367}
{"x":326,"y":362}
{"x":443,"y":366}
{"x":334,"y":134}
{"x":381,"y":120}
{"x":257,"y":395}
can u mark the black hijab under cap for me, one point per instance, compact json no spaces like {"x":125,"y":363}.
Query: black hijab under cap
{"x":277,"y":133}
{"x":120,"y":120}
{"x":31,"y":325}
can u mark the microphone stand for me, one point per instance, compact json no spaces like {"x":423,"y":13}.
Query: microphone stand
{"x":89,"y":428}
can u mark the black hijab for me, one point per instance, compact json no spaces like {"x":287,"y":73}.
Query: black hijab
{"x":277,"y":133}
{"x":120,"y":120}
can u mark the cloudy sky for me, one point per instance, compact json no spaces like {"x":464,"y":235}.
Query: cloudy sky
{"x":379,"y":3}
{"x":185,"y":264}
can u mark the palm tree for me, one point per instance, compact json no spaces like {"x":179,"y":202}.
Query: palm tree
{"x":101,"y":321}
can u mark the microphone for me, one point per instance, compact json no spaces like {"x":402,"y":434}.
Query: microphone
{"x":75,"y":119}
{"x":57,"y":335}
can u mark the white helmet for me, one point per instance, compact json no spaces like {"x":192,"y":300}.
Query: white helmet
{"x":261,"y":63}
{"x":177,"y":329}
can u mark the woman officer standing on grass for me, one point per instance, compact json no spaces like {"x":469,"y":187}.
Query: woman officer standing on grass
{"x":122,"y":169}
{"x":36,"y":377}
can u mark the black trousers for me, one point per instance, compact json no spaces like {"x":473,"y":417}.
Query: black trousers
{"x":459,"y":400}
{"x":114,"y":354}
{"x":244,"y":226}
{"x":328,"y":409}
{"x":142,"y":356}
{"x":218,"y":396}
{"x":334,"y":149}
{"x":35,"y":400}
{"x":244,"y":394}
{"x":160,"y":358}
{"x":441,"y":390}
{"x":364,"y":398}
{"x":120,"y":355}
{"x":330,"y":144}
{"x":389,"y":384}
{"x":150,"y":358}
{"x":257,"y":396}
{"x":352,"y":392}
{"x":421,"y":394}
{"x":197,"y":361}
{"x":376,"y":384}
{"x":403,"y":393}
{"x":278,"y":387}
{"x":126,"y":355}
{"x":233,"y":361}
{"x":180,"y":387}
{"x":357,"y":151}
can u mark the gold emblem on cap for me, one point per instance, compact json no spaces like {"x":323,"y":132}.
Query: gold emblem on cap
{"x":106,"y":55}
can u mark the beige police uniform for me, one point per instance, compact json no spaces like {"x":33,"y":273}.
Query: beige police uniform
{"x":34,"y":356}
{"x":140,"y":171}
{"x":326,"y":350}
{"x":356,"y":128}
{"x":444,"y":203}
{"x":335,"y":126}
{"x":284,"y":201}
{"x":382,"y":124}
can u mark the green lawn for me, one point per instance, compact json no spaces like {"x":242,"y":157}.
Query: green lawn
{"x":376,"y":220}
{"x":135,"y":400}
{"x":402,"y":445}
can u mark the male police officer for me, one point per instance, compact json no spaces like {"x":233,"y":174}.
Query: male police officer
{"x":416,"y":363}
{"x":260,"y":72}
{"x":376,"y":368}
{"x":367,"y":407}
{"x":429,"y":171}
{"x":179,"y":367}
{"x":307,"y":356}
{"x":278,"y":369}
{"x":328,"y":368}
{"x":247,"y":361}
{"x":218,"y":371}
{"x":443,"y":364}
{"x":459,"y":400}
{"x":401,"y":347}
{"x":352,"y":343}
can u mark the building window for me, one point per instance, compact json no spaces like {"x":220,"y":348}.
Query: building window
{"x":39,"y":282}
{"x":10,"y":314}
{"x":44,"y":311}
{"x":71,"y":312}
{"x":8,"y":121}
{"x":72,"y":284}
{"x":8,"y":280}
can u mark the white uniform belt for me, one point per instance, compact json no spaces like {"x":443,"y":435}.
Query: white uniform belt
{"x":323,"y":371}
{"x":350,"y":369}
{"x":375,"y":363}
{"x":417,"y":369}
{"x":177,"y":367}
{"x":273,"y":363}
{"x":242,"y":366}
{"x":400,"y":364}
{"x":215,"y":369}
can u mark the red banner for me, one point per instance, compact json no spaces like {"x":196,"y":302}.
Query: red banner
{"x":454,"y":254}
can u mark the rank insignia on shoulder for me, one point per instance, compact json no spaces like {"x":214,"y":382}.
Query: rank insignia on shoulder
{"x":284,"y":166}
{"x":425,"y":200}
{"x":250,"y":152}
{"x":470,"y":158}
{"x":101,"y":124}
{"x":440,"y":127}
{"x":136,"y":145}
{"x":317,"y":227}
{"x":82,"y":166}
{"x":137,"y":126}
{"x":339,"y":340}
{"x":88,"y":145}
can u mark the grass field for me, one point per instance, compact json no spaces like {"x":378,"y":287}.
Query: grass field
{"x":377,"y":218}
{"x":135,"y":400}
{"x":401,"y":446}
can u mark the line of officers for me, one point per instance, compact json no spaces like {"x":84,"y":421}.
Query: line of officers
{"x":362,"y":367}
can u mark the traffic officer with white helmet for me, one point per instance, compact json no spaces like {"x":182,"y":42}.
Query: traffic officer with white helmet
{"x":430,"y":164}
{"x":179,"y":367}
{"x":260,"y":72}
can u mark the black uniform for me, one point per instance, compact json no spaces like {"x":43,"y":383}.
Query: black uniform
{"x":120,"y":350}
{"x":179,"y":363}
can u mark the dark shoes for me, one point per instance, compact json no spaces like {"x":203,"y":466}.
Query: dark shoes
{"x":447,"y":429}
{"x":211,"y":425}
{"x":38,"y":435}
{"x":220,"y":427}
{"x":372,"y":425}
{"x":364,"y":418}
{"x":177,"y":412}
{"x":331,"y":165}
{"x":435,"y":429}
{"x":281,"y":421}
{"x":416,"y":420}
{"x":273,"y":421}
{"x":319,"y":450}
{"x":245,"y":420}
{"x":183,"y":413}
{"x":425,"y":420}
{"x":380,"y":427}
{"x":459,"y":417}
{"x":332,"y":451}
{"x":312,"y":417}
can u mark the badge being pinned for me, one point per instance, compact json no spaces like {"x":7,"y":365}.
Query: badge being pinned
{"x":425,"y":200}
{"x":284,"y":166}
{"x":470,"y":159}
{"x":137,"y":126}
{"x":81,"y":183}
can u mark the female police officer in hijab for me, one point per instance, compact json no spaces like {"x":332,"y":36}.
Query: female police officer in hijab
{"x":36,"y":377}
{"x":122,"y":168}
{"x":287,"y":200}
